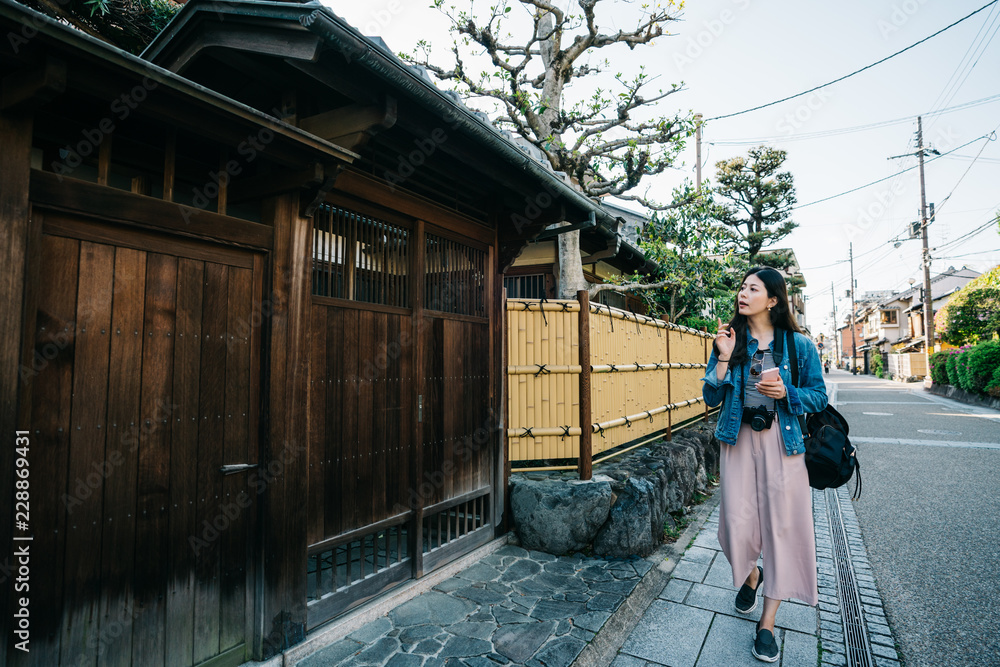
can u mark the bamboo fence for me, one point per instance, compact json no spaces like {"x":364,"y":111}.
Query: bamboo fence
{"x":637,"y":376}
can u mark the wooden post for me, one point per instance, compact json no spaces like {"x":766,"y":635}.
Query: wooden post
{"x":586,"y":448}
{"x":417,"y":278}
{"x":15,"y":230}
{"x":670,"y":400}
{"x":707,"y":353}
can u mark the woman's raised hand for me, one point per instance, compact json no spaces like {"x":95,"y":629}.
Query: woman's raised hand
{"x":725,"y":340}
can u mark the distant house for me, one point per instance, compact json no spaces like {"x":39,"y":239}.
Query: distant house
{"x":894,"y":322}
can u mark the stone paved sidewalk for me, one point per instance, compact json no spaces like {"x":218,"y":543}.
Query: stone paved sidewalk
{"x":693,"y":622}
{"x":512,"y":607}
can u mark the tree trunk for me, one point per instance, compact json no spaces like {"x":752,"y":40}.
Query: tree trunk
{"x":569,"y":267}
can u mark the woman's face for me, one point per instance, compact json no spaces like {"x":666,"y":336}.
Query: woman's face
{"x":753,"y":298}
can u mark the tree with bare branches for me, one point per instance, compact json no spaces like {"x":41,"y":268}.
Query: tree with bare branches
{"x":609,"y":138}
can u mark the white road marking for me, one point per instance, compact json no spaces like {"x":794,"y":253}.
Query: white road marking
{"x":931,"y":443}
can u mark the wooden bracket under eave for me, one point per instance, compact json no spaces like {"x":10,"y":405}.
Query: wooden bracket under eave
{"x":32,"y":88}
{"x":352,"y":126}
{"x":316,"y":195}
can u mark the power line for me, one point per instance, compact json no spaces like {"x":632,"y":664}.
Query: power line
{"x":846,"y":76}
{"x":990,"y":137}
{"x":861,"y":187}
{"x":823,"y":134}
{"x":973,"y":46}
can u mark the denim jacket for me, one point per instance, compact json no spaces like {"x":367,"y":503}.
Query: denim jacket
{"x":808,"y":397}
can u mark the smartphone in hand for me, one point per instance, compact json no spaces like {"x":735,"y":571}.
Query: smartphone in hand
{"x":770,"y":375}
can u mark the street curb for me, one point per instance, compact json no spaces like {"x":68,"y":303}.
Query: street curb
{"x":603,"y":648}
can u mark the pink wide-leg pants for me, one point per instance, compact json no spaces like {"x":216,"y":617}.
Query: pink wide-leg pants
{"x":766,"y":509}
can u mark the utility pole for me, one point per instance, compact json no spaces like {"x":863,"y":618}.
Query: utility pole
{"x":697,"y":152}
{"x":854,"y":342}
{"x":836,"y":342}
{"x":926,"y":254}
{"x":928,"y":297}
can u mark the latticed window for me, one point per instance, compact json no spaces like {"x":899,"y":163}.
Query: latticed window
{"x":454,"y":277}
{"x":525,"y":287}
{"x":359,"y":257}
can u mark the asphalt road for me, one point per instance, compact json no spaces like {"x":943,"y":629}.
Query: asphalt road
{"x":930,"y":516}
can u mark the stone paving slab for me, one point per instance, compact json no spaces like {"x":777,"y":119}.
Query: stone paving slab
{"x":513,"y":607}
{"x":701,"y":588}
{"x":669,"y":634}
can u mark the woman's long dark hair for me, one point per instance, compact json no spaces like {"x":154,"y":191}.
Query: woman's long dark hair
{"x":781,"y":316}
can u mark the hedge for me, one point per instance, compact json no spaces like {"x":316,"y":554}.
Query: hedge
{"x":982,"y":364}
{"x":950,"y":368}
{"x":939,"y":370}
{"x":962,"y":369}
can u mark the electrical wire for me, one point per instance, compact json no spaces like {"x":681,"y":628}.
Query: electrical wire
{"x":992,"y":21}
{"x":973,"y":46}
{"x":990,"y":137}
{"x":846,"y":76}
{"x":861,"y":187}
{"x":823,"y":134}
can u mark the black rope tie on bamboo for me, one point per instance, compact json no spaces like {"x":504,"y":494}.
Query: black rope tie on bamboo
{"x":600,"y":429}
{"x":564,"y":433}
{"x":541,"y":307}
{"x":638,"y":367}
{"x":542,"y":370}
{"x":650,"y":415}
{"x":637,"y":330}
{"x":614,"y":369}
{"x":565,"y":306}
{"x":659,"y":365}
{"x":628,"y":424}
{"x":527,"y":432}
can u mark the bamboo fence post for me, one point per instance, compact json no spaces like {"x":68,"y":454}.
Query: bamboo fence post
{"x":670,"y":414}
{"x":586,"y":462}
{"x":705,"y":340}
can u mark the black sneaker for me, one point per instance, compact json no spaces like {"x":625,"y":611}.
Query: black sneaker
{"x":764,"y":646}
{"x":746,"y":599}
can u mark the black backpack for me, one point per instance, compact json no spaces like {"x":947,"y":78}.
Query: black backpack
{"x":831,"y":459}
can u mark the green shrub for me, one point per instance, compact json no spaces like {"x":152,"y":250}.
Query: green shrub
{"x":962,"y":369}
{"x":939,"y":372}
{"x":993,"y":387}
{"x":983,"y":362}
{"x":950,"y":368}
{"x":877,"y":369}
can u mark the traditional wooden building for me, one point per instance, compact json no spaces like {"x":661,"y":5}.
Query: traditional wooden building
{"x":251,"y":302}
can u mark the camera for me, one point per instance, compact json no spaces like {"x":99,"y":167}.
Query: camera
{"x":758,"y":417}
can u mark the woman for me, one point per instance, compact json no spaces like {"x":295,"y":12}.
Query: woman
{"x":766,"y":501}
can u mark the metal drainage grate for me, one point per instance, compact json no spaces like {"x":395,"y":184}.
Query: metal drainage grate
{"x":855,"y":634}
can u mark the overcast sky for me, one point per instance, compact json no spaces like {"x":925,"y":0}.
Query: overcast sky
{"x":733,"y":55}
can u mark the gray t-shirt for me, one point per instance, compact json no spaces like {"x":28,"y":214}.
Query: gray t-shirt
{"x":753,"y":397}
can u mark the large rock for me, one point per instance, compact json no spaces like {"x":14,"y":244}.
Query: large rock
{"x":632,"y":526}
{"x":558,"y":517}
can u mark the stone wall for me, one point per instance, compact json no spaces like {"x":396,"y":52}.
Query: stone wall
{"x":622,"y":510}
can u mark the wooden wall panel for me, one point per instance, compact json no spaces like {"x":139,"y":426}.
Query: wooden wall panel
{"x":184,"y":451}
{"x":88,"y":422}
{"x":153,"y":483}
{"x":211,"y":433}
{"x":124,"y":427}
{"x":52,"y":391}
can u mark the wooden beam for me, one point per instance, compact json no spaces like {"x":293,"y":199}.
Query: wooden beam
{"x":170,"y":166}
{"x":15,"y":230}
{"x":32,"y":88}
{"x":351,"y":125}
{"x":68,"y":194}
{"x":104,"y":160}
{"x":269,"y":185}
